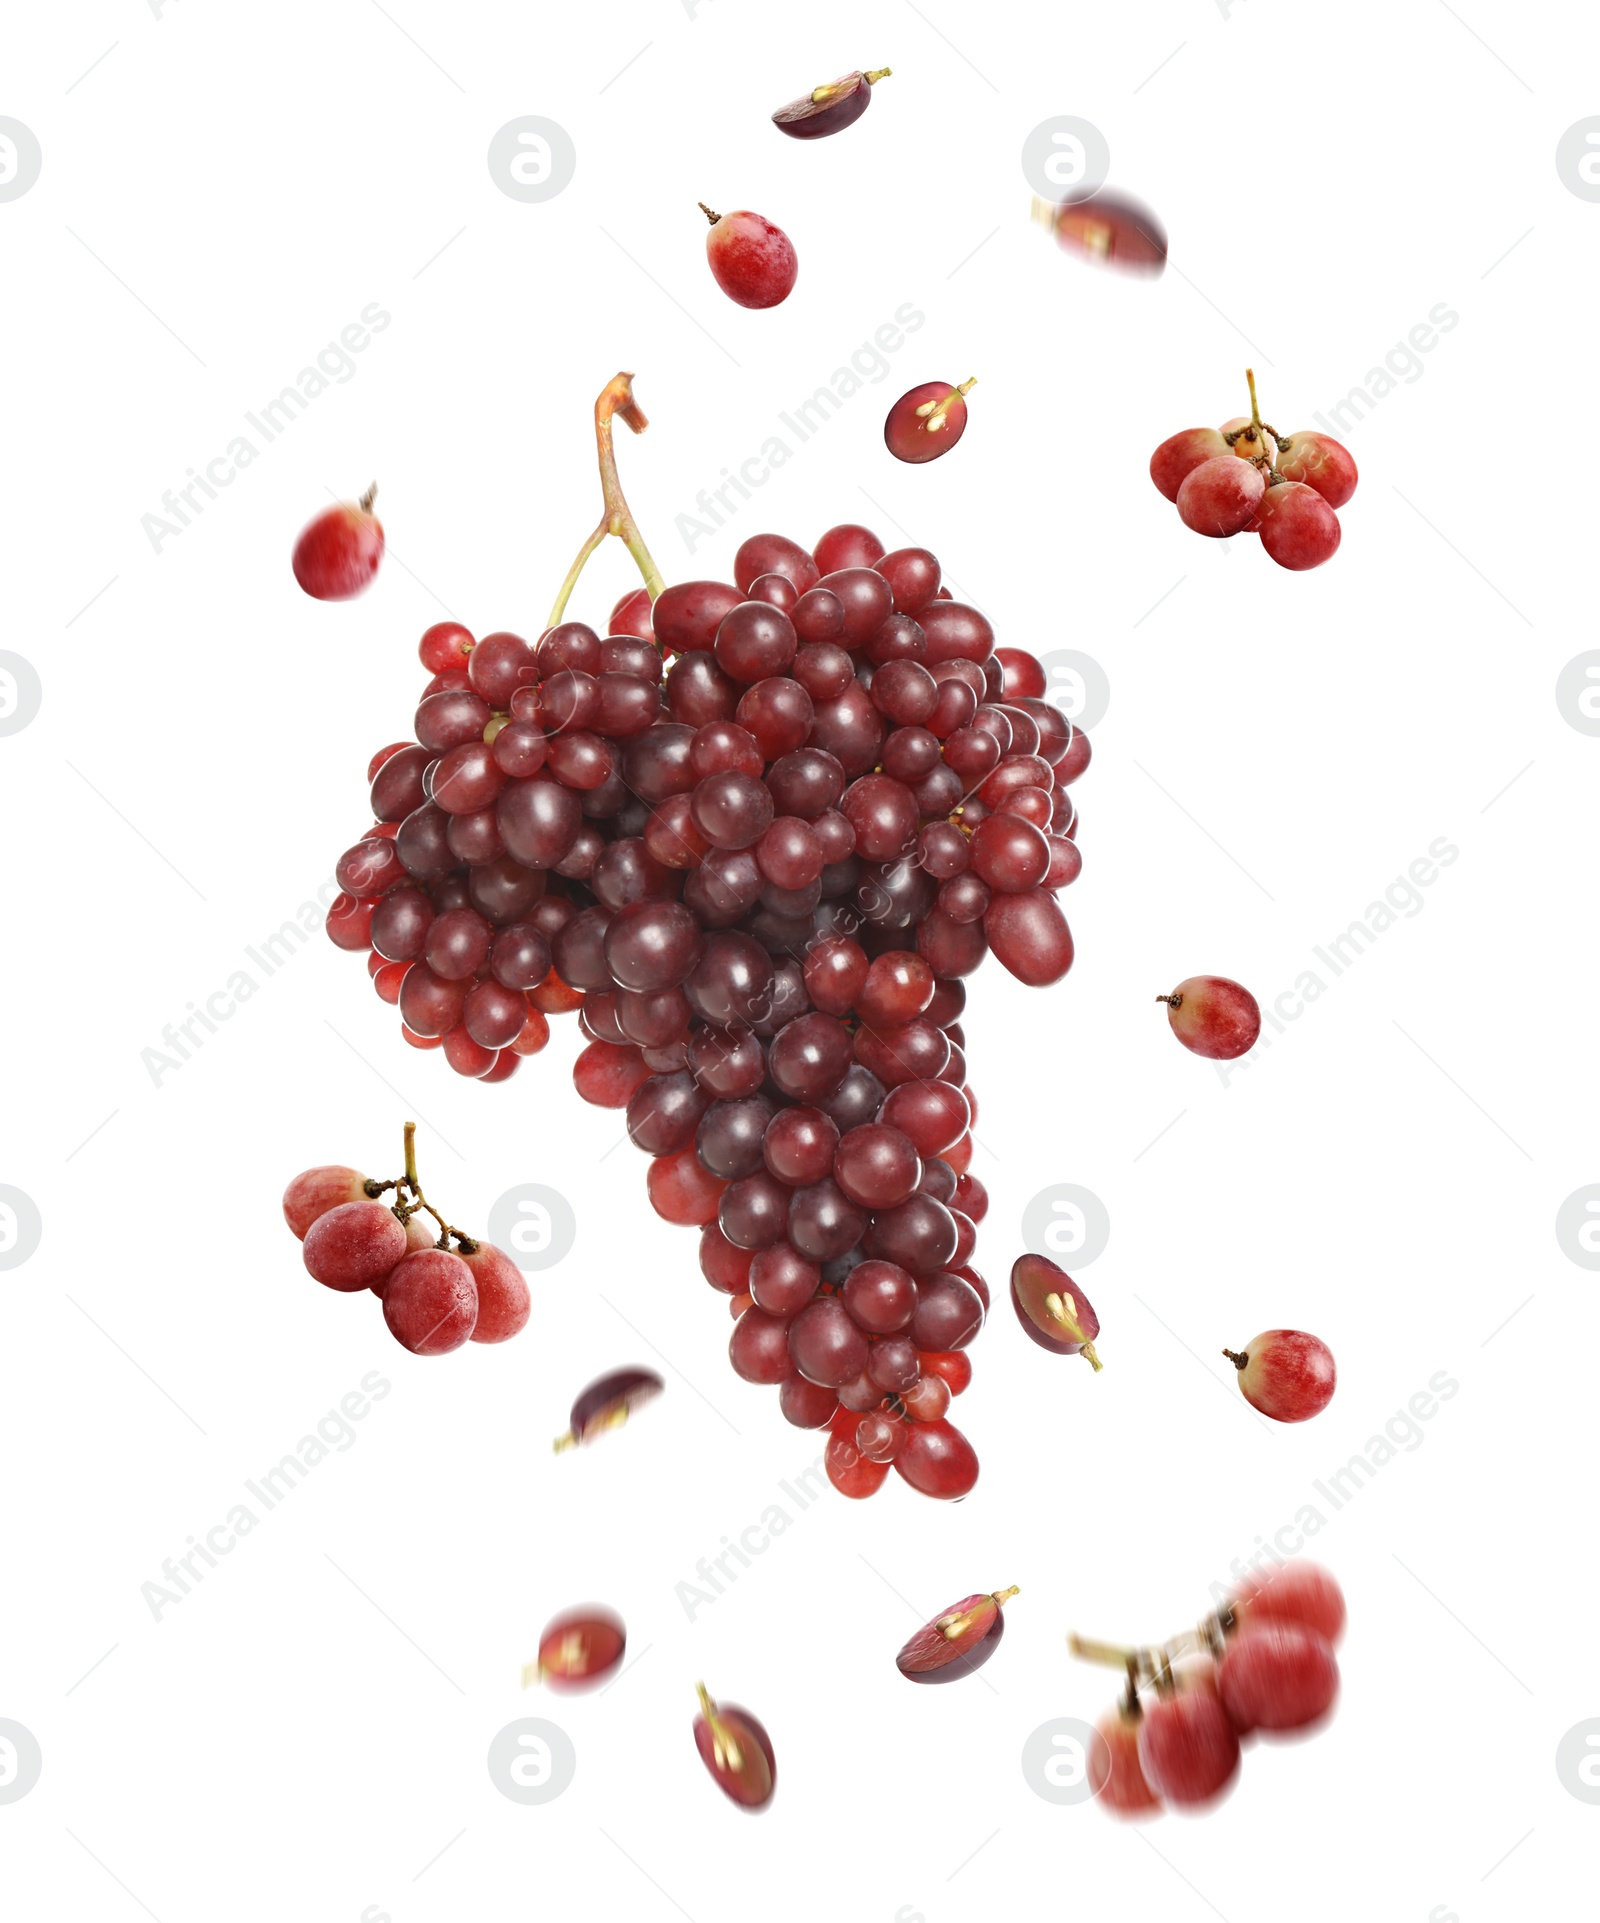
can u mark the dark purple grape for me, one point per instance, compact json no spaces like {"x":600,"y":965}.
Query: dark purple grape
{"x":826,"y":1345}
{"x":754,"y":1211}
{"x":948,"y":1314}
{"x":856,"y":1100}
{"x":731,"y":981}
{"x":579,"y":950}
{"x":810,"y":1057}
{"x":539,"y":820}
{"x":729,"y":1138}
{"x":520,"y":957}
{"x":664,"y":1112}
{"x":400,"y":924}
{"x":728,"y":1062}
{"x":823,"y":1222}
{"x":919,"y":1235}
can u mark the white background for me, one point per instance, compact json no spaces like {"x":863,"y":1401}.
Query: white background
{"x":307,"y":1731}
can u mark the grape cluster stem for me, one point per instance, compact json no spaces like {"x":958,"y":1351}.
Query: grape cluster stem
{"x":616,"y":397}
{"x":412,"y":1186}
{"x":1151,"y":1665}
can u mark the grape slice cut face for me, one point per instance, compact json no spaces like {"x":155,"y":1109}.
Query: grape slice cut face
{"x":958,"y":1641}
{"x":737,"y":1751}
{"x":607,"y":1403}
{"x":1053,"y":1309}
{"x":579,"y":1648}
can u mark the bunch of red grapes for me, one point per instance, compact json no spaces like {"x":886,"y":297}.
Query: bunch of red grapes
{"x":1246,"y":477}
{"x":757,"y":836}
{"x":1261,"y":1665}
{"x":435,"y":1296}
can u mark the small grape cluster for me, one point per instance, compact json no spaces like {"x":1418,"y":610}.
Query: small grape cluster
{"x":435,"y":1297}
{"x":761,"y":874}
{"x":1263,"y":1663}
{"x":1246,"y":477}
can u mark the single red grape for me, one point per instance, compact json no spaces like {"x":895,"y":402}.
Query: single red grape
{"x":1286,"y":1374}
{"x":336,"y":555}
{"x":1213,"y":1016}
{"x":317,"y":1190}
{"x":752,"y":261}
{"x":431,"y":1302}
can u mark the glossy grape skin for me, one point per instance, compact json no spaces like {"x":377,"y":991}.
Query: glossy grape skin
{"x":606,"y":1075}
{"x":396,"y":789}
{"x":444,"y":646}
{"x":1286,"y":1374}
{"x":808,"y":1058}
{"x":1299,"y":1592}
{"x":315,"y":1191}
{"x":806,"y":1404}
{"x":954,"y":1371}
{"x":1277,"y":1676}
{"x":751,"y":260}
{"x":880,"y":1435}
{"x":430,"y":1302}
{"x":1029,"y":935}
{"x":755,"y":640}
{"x":759,"y":1348}
{"x":925,"y":422}
{"x":683,"y":1191}
{"x":581,"y":1647}
{"x":948,"y":1313}
{"x":826,"y":1345}
{"x":937,"y":1460}
{"x":499,"y":665}
{"x":913,"y":577}
{"x":1009,"y":854}
{"x":848,"y":545}
{"x":853,"y":1474}
{"x":880,"y":1297}
{"x":1221,"y":497}
{"x":823,"y":1222}
{"x":652,"y":945}
{"x":1214,"y":1017}
{"x":1298,"y":529}
{"x":539,"y":820}
{"x":336,"y":555}
{"x":1322,"y":463}
{"x":877,"y":1166}
{"x":1188,"y":1748}
{"x":799,"y":1145}
{"x":781,"y":1280}
{"x":933,"y":1656}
